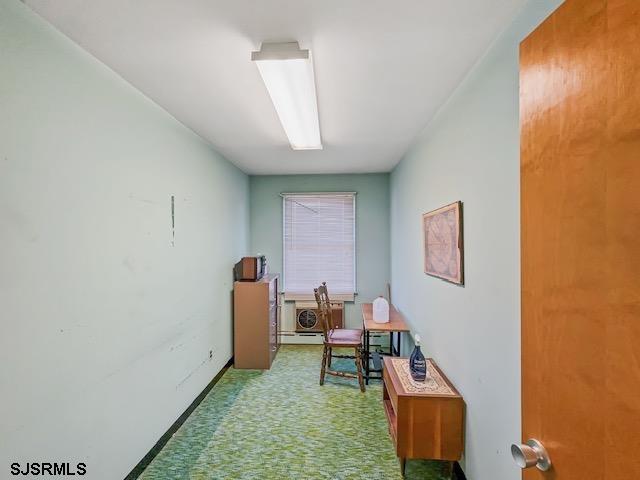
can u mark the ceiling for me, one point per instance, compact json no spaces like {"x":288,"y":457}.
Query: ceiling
{"x":382,"y":68}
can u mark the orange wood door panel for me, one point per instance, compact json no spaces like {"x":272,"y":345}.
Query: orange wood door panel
{"x":580,"y":214}
{"x":622,"y":404}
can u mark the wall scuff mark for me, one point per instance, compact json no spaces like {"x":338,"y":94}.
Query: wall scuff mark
{"x":173,"y":221}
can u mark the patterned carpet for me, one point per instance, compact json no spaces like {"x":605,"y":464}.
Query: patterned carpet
{"x":280,"y":424}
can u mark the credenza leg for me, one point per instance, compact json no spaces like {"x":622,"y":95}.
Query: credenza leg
{"x":403,"y":462}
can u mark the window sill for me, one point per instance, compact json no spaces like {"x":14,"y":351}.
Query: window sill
{"x":302,"y":297}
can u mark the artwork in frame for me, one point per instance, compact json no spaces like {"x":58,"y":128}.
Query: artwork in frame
{"x":443,"y":246}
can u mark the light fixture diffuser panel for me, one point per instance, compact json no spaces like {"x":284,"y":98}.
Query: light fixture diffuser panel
{"x":288,"y":75}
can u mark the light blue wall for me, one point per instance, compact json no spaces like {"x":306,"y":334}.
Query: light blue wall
{"x":372,"y":225}
{"x":106,"y":327}
{"x":470,"y":152}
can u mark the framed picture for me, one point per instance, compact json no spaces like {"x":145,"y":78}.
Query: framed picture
{"x":443,"y":246}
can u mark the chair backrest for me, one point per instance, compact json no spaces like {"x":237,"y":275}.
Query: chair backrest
{"x":324,"y":308}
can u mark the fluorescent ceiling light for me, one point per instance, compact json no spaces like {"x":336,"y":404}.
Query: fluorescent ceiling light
{"x":287,"y":73}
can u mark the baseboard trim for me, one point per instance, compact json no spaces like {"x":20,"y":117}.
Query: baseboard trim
{"x":458,"y":474}
{"x":146,"y":460}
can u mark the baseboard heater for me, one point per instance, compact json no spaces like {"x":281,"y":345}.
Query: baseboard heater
{"x":300,"y":338}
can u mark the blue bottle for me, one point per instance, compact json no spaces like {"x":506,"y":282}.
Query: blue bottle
{"x":417,"y":363}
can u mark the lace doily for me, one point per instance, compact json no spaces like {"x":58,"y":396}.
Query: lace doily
{"x":434,"y":383}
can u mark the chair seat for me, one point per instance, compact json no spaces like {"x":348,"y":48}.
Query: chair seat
{"x":345,"y":336}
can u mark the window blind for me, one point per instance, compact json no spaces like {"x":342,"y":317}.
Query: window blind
{"x":319,"y":244}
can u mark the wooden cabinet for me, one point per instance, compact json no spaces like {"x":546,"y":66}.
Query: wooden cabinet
{"x":256,"y":322}
{"x":423,"y":422}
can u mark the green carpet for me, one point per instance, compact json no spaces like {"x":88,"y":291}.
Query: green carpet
{"x":281,"y":424}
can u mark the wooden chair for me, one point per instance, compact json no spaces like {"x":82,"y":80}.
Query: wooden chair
{"x":337,"y":337}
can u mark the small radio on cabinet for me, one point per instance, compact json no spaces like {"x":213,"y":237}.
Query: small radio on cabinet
{"x":308,"y":318}
{"x":250,"y":269}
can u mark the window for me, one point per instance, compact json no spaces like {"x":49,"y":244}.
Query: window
{"x":319,"y":244}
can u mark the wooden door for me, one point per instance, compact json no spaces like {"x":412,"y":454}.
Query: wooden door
{"x":580,"y":214}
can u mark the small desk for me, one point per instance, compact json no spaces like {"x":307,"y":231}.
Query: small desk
{"x":396,"y":324}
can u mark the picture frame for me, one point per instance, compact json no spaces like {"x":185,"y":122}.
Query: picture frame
{"x":443,"y":243}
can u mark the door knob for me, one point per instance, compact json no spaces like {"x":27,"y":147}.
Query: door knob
{"x":531,"y":453}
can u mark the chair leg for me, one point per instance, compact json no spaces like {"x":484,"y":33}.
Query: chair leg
{"x":324,"y":362}
{"x":359,"y":368}
{"x":329,"y":358}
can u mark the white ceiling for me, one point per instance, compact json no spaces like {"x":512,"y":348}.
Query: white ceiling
{"x":383,"y":67}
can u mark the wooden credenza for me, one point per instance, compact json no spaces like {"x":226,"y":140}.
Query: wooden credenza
{"x":422,"y":423}
{"x":256,"y":322}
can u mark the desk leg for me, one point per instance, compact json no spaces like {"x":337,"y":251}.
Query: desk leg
{"x":366,"y":354}
{"x":391,"y":343}
{"x":403,"y":463}
{"x":399,"y":333}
